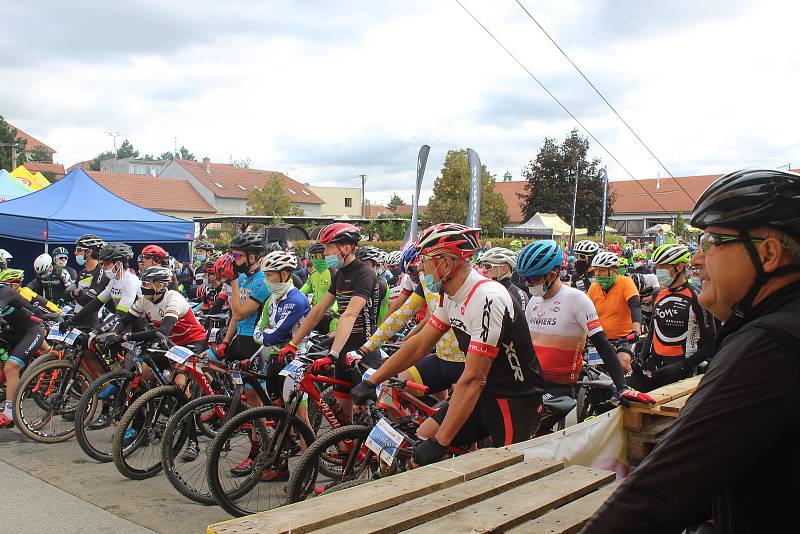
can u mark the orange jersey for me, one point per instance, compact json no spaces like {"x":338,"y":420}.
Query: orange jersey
{"x":612,"y":306}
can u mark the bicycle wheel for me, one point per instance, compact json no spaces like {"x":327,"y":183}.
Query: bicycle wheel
{"x":344,"y":448}
{"x":136,"y":448}
{"x":189,"y":478}
{"x":258,"y":435}
{"x":44,"y":404}
{"x":39,"y":360}
{"x":96,"y":435}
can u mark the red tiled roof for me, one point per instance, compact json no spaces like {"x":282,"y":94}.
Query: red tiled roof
{"x":80,"y":165}
{"x":31,"y":141}
{"x":407,"y":208}
{"x":153,"y":193}
{"x":227,"y":181}
{"x":376,"y":210}
{"x":509,"y":191}
{"x":632,"y":198}
{"x":55,"y":168}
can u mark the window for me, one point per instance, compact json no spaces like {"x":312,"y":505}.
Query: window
{"x":218,"y":185}
{"x":306,"y":193}
{"x":291,"y":191}
{"x":243,"y":188}
{"x":348,"y":202}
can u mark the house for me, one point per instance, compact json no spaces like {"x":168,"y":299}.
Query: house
{"x":55,"y":169}
{"x":85,"y":165}
{"x":139,"y":166}
{"x":407,"y":209}
{"x":169,"y":197}
{"x":339,"y":200}
{"x":31,"y":142}
{"x":225,"y":187}
{"x":510,"y":191}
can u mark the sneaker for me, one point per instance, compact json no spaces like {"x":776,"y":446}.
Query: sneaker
{"x":5,"y":421}
{"x":129,"y":435}
{"x":104,"y":421}
{"x":272,"y":475}
{"x":244,"y":468}
{"x":191,"y":452}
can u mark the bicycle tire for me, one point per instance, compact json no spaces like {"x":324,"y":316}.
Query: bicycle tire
{"x":304,"y":476}
{"x":146,"y":406}
{"x":57,"y":368}
{"x":39,"y":360}
{"x":187,"y":483}
{"x":231,"y":499}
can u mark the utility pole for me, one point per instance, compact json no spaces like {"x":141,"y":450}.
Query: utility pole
{"x":114,"y":135}
{"x":574,"y":202}
{"x":363,"y":204}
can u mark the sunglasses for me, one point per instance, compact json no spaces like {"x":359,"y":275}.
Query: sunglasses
{"x":488,"y":266}
{"x":708,"y":240}
{"x":237,"y":255}
{"x":535,"y":280}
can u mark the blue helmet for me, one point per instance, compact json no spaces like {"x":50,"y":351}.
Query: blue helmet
{"x":539,"y":258}
{"x":409,"y":256}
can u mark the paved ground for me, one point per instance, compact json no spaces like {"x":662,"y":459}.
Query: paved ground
{"x":57,"y":488}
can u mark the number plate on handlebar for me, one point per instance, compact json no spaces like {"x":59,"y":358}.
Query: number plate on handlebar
{"x":55,"y":334}
{"x":594,"y":358}
{"x":237,"y":378}
{"x":71,"y":336}
{"x":179,"y":354}
{"x":292,"y":368}
{"x":385,"y":441}
{"x":368,"y":373}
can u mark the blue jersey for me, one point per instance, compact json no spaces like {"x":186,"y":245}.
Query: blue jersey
{"x":280,"y":320}
{"x":252,"y":286}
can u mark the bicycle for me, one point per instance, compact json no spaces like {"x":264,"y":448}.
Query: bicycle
{"x":595,"y":393}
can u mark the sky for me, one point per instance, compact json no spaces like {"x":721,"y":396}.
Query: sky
{"x":326,"y":91}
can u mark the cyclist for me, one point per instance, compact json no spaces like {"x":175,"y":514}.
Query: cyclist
{"x":5,"y":258}
{"x":372,"y":257}
{"x":616,"y":300}
{"x":60,"y":257}
{"x":91,"y":280}
{"x":584,"y":251}
{"x":24,"y":334}
{"x":682,"y":334}
{"x":393,"y":260}
{"x":276,"y":246}
{"x":738,"y":431}
{"x":499,"y":392}
{"x":208,"y":291}
{"x":560,"y":318}
{"x":51,"y":281}
{"x":405,"y":281}
{"x":498,"y":263}
{"x":41,"y":306}
{"x":317,"y":285}
{"x":223,"y":270}
{"x":353,"y":288}
{"x":204,"y":250}
{"x":622,"y":267}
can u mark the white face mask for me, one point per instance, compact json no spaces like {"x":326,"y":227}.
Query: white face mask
{"x":664,"y":278}
{"x":637,"y":264}
{"x":279,"y":289}
{"x":537,"y":291}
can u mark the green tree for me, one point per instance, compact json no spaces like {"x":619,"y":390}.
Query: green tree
{"x":680,"y":227}
{"x":451,"y":194}
{"x":166,"y":156}
{"x":184,"y":154}
{"x":126,"y":150}
{"x":95,"y":164}
{"x":9,"y":135}
{"x":272,"y":199}
{"x":40,"y":155}
{"x":240,"y":163}
{"x":551,"y":181}
{"x":394,"y":202}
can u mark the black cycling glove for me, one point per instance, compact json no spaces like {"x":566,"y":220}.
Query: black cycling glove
{"x":428,"y":451}
{"x":362,"y":392}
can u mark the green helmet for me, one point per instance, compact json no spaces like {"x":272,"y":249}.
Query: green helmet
{"x":623,"y":262}
{"x":8,"y":276}
{"x":639,"y":254}
{"x":515,"y":244}
{"x":671,"y":254}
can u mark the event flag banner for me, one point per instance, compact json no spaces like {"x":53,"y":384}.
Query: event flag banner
{"x":413,"y":228}
{"x":475,"y":186}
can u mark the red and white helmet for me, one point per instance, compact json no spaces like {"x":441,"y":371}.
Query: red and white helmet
{"x":340,"y":233}
{"x":448,"y":239}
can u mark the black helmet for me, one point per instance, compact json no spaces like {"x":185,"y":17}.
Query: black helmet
{"x":115,"y":252}
{"x":369,"y":253}
{"x":90,"y":242}
{"x":316,"y":248}
{"x":249,"y":242}
{"x":750,"y":198}
{"x":157,"y":273}
{"x":204,"y":245}
{"x":60,"y":251}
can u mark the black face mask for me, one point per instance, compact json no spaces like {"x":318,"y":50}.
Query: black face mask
{"x":395,"y":272}
{"x":241,"y":269}
{"x":148,"y":291}
{"x":581,"y":266}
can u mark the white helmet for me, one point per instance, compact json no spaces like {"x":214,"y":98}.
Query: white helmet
{"x":606,"y":259}
{"x":586,"y":247}
{"x":278,"y":260}
{"x":500,"y":256}
{"x":42,"y":263}
{"x":5,"y":255}
{"x":394,"y":258}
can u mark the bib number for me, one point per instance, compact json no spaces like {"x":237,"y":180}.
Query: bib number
{"x":294,"y":369}
{"x":594,"y":358}
{"x":55,"y":334}
{"x":179,"y":354}
{"x":385,"y":441}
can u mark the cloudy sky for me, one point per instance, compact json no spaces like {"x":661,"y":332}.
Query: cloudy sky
{"x":325,"y":91}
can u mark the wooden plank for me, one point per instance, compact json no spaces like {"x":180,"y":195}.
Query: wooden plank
{"x":418,"y":511}
{"x":367,"y":498}
{"x":571,"y":517}
{"x":669,"y":392}
{"x":522,"y":503}
{"x":676,"y":405}
{"x":654,"y":430}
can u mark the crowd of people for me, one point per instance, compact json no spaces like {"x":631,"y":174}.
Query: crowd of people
{"x":494,"y":331}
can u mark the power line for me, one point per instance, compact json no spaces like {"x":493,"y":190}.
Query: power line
{"x":596,"y":90}
{"x":546,"y":90}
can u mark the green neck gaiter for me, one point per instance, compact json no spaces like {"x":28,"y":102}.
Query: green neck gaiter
{"x":606,"y":281}
{"x":319,"y":265}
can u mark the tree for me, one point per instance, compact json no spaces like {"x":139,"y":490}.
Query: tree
{"x":394,"y":202}
{"x":551,"y":181}
{"x":451,"y":194}
{"x":95,"y":164}
{"x":9,"y":135}
{"x":40,"y":154}
{"x":182,"y":153}
{"x":240,"y":163}
{"x":680,"y":227}
{"x":272,"y":199}
{"x":166,"y":156}
{"x":126,"y":150}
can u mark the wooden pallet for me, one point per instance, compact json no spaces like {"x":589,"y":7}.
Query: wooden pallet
{"x":490,"y":490}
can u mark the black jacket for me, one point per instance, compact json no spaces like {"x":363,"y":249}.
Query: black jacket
{"x":735,"y":448}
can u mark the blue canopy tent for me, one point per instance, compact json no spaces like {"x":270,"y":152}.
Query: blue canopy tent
{"x":75,"y":205}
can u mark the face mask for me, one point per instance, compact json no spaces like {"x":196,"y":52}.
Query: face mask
{"x":333,"y":261}
{"x":606,"y":281}
{"x":320,"y":265}
{"x":148,"y":293}
{"x":638,"y":264}
{"x":279,"y":289}
{"x":395,"y":272}
{"x":80,"y":259}
{"x":537,"y":291}
{"x":433,"y":286}
{"x":581,"y":266}
{"x":622,"y":270}
{"x":201,"y":258}
{"x":109,"y":273}
{"x":381,"y":271}
{"x":664,"y":278}
{"x":240,"y":269}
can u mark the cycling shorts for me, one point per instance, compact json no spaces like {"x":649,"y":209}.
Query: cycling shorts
{"x":505,"y":420}
{"x":24,"y":350}
{"x":436,"y":373}
{"x":620,"y":345}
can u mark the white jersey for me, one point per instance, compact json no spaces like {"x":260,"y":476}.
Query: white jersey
{"x":405,"y":286}
{"x":559,"y":327}
{"x":123,"y":291}
{"x":186,"y":331}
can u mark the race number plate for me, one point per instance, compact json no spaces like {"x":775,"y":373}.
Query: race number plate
{"x":55,"y":334}
{"x":594,"y":357}
{"x":292,"y":368}
{"x":384,"y":441}
{"x":179,"y":354}
{"x":368,"y":373}
{"x":71,"y":336}
{"x":237,"y":378}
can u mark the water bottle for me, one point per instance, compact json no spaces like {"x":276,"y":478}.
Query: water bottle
{"x":336,"y":408}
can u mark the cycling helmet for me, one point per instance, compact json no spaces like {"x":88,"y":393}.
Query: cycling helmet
{"x":249,"y":242}
{"x":539,"y":258}
{"x":154,"y":252}
{"x":410,"y":257}
{"x":278,"y":260}
{"x":627,"y":251}
{"x":448,"y":239}
{"x":671,"y":254}
{"x":90,"y":242}
{"x":214,"y":256}
{"x":204,"y":245}
{"x":157,"y":273}
{"x":623,"y":262}
{"x":586,"y":247}
{"x":115,"y":252}
{"x":223,"y":267}
{"x":639,"y":254}
{"x":500,"y":256}
{"x":273,"y":247}
{"x":172,"y":263}
{"x":60,"y":251}
{"x":340,"y":233}
{"x":43,"y":264}
{"x":369,"y":253}
{"x":11,"y":276}
{"x":316,"y":248}
{"x":515,"y":244}
{"x":394,"y":258}
{"x":571,"y":259}
{"x":208,"y":266}
{"x":5,"y":255}
{"x":606,"y":259}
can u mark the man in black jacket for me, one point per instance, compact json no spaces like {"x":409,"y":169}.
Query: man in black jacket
{"x":732,"y":454}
